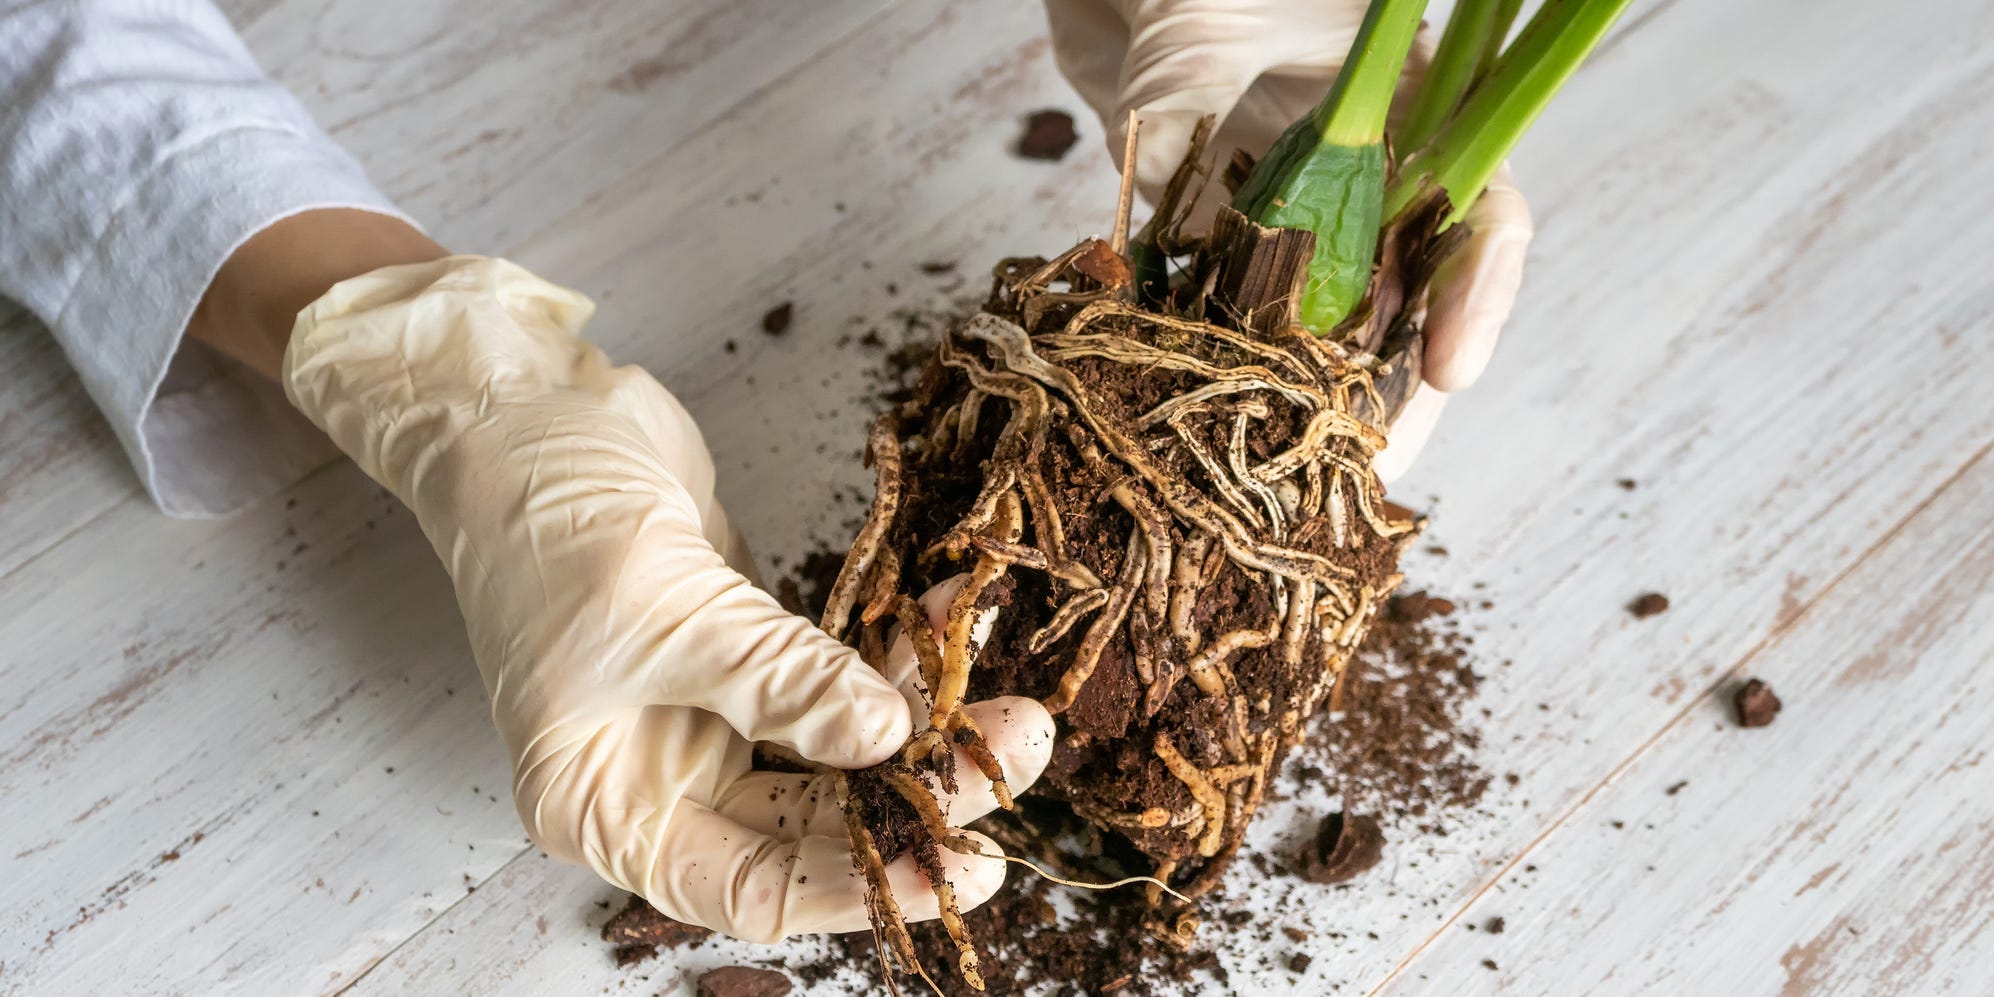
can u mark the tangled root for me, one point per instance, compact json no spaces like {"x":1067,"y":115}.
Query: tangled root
{"x":1257,"y":545}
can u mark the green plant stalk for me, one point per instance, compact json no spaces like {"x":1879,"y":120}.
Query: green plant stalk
{"x":1326,"y":173}
{"x":1471,"y":146}
{"x":1457,"y":60}
{"x":1505,"y":15}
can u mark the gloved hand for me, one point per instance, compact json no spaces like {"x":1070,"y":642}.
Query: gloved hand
{"x":629,"y":665}
{"x":1259,"y":65}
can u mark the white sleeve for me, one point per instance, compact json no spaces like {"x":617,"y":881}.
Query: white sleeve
{"x":139,"y":146}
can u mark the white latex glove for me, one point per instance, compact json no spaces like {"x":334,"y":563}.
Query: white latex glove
{"x":629,"y":665}
{"x":1259,"y":65}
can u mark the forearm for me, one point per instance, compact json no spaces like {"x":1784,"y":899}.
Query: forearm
{"x":249,"y":308}
{"x":153,"y":182}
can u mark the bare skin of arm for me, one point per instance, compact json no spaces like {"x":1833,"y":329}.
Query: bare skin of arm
{"x":251,"y":304}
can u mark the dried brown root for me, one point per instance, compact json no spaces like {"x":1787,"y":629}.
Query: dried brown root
{"x":928,"y":808}
{"x":967,"y":736}
{"x":1070,"y":612}
{"x":954,"y":679}
{"x":1201,"y":784}
{"x":884,"y":587}
{"x":921,"y":636}
{"x":1195,"y":495}
{"x":880,"y":905}
{"x":1101,"y":631}
{"x":883,"y":447}
{"x":967,"y":965}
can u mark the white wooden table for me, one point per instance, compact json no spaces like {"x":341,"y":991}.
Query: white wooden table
{"x":252,"y":757}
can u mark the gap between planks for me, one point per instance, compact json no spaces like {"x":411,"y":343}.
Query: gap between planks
{"x":1724,"y":679}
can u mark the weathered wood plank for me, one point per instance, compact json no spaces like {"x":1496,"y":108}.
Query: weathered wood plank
{"x":240,"y":756}
{"x":1732,"y":352}
{"x":487,"y":119}
{"x":60,"y":465}
{"x":1844,"y":850}
{"x":1718,"y":349}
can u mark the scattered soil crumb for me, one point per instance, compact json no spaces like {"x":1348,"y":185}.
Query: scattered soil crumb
{"x":1418,"y":607}
{"x":1627,"y":484}
{"x":776,"y":321}
{"x":743,"y":981}
{"x":1489,"y":964}
{"x":1756,"y":704}
{"x":1344,"y":847}
{"x":1048,"y":135}
{"x":1299,"y":963}
{"x":1676,"y":788}
{"x":1648,"y":604}
{"x":935,"y":268}
{"x":1496,"y":926}
{"x":1399,"y":746}
{"x":638,"y":932}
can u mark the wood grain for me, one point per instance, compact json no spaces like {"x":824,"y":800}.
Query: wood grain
{"x":1759,"y":289}
{"x":1843,"y":850}
{"x":60,"y":465}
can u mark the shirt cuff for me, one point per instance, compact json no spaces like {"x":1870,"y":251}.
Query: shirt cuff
{"x":206,"y":435}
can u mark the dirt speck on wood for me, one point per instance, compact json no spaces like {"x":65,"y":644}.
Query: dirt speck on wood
{"x":1344,"y":847}
{"x":1648,"y":604}
{"x":775,"y":321}
{"x":1756,"y":704}
{"x":638,"y":931}
{"x":743,"y":981}
{"x":1048,"y":135}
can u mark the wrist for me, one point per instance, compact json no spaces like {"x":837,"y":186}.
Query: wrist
{"x":251,"y":305}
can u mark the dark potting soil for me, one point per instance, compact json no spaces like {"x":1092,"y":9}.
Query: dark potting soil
{"x":1401,"y":748}
{"x":1106,"y":756}
{"x":1397,"y":754}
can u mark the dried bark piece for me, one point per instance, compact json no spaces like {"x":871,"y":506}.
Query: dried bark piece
{"x":638,"y":931}
{"x":743,"y":981}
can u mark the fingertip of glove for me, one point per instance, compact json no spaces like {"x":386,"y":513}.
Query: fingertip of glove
{"x":976,"y":878}
{"x":1020,"y":733}
{"x":862,"y":726}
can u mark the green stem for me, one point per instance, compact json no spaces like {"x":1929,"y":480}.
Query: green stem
{"x":1505,"y":15}
{"x":1326,"y":173}
{"x":1471,"y":146}
{"x":1354,"y":112}
{"x":1457,"y":60}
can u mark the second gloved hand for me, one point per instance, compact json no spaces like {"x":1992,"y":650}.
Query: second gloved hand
{"x":630,"y":666}
{"x":1259,"y":65}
